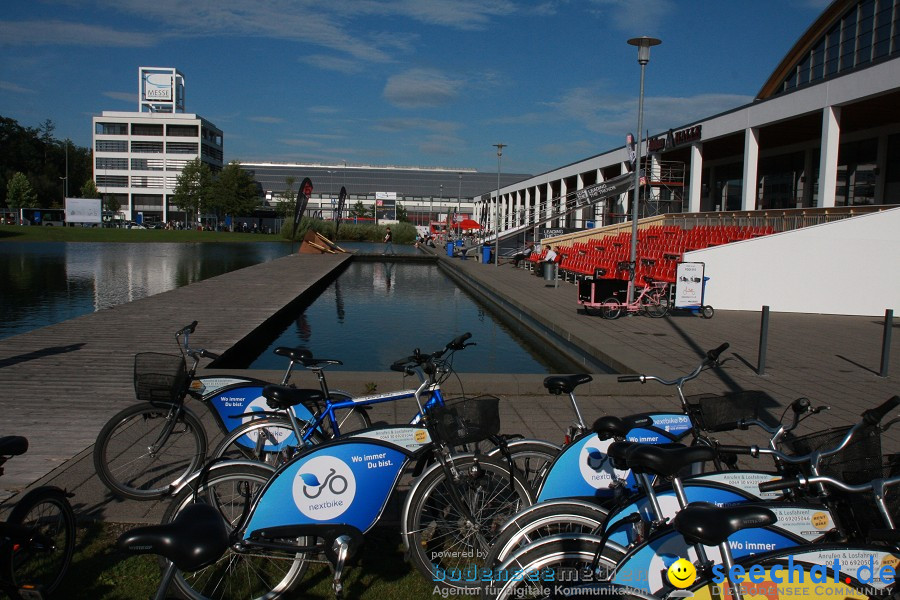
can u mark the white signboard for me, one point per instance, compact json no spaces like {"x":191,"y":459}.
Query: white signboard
{"x":689,"y":285}
{"x":157,"y":86}
{"x":385,"y":195}
{"x":83,"y":210}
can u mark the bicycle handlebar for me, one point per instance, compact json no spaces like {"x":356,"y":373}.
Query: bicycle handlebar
{"x":712,"y":358}
{"x":873,"y":416}
{"x":418,"y":359}
{"x":780,"y":484}
{"x":187,"y":329}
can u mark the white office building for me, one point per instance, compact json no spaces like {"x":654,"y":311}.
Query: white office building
{"x":138,"y":156}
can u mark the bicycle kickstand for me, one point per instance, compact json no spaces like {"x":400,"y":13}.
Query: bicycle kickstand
{"x":341,"y":547}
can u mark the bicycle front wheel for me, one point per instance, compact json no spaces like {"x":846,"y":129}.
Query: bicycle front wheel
{"x":611,"y":308}
{"x":145,"y":449}
{"x":44,"y":561}
{"x":656,"y":303}
{"x":246,"y":573}
{"x":454,"y":513}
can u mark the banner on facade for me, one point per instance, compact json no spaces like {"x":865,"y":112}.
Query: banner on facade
{"x":303,"y":194}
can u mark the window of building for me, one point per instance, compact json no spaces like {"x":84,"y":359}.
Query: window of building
{"x":147,"y":147}
{"x":147,"y":164}
{"x":146,"y":129}
{"x":111,"y":129}
{"x":866,"y":25}
{"x":848,"y":41}
{"x":882,"y":29}
{"x":111,"y":146}
{"x":181,"y":130}
{"x":116,"y":181}
{"x":112,"y":164}
{"x":181,"y":148}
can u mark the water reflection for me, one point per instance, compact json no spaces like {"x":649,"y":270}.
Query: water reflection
{"x":47,"y":283}
{"x":392,"y":308}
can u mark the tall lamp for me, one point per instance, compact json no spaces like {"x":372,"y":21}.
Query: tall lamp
{"x":499,"y":148}
{"x":643,"y":44}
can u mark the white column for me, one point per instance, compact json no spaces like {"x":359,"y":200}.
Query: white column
{"x":597,"y":208}
{"x":579,"y":214}
{"x":751,"y":167}
{"x":696,"y":178}
{"x":563,"y":190}
{"x":828,"y":161}
{"x":654,"y":175}
{"x":548,"y":203}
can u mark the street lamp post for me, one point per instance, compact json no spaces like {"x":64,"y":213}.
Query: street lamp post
{"x":643,"y":44}
{"x":499,"y":148}
{"x":459,"y":204}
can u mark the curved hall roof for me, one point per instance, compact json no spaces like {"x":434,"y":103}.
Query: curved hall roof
{"x":831,"y":15}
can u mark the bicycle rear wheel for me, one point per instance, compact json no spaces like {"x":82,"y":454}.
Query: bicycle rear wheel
{"x":256,"y":573}
{"x":441,"y":537}
{"x":46,"y":511}
{"x":145,"y":449}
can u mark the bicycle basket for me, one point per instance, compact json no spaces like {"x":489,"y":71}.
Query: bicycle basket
{"x":723,"y":412}
{"x":466,"y":420}
{"x":858,"y":462}
{"x":159,"y":378}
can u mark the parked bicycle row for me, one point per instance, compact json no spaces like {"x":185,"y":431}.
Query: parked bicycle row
{"x":302,"y":475}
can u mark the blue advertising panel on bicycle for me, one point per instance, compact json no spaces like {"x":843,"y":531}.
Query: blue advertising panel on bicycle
{"x":345,"y":482}
{"x":587,"y":457}
{"x":243,"y":399}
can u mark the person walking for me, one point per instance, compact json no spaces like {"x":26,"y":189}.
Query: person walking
{"x":388,"y":242}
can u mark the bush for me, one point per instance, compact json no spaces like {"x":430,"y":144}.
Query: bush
{"x":404,"y":233}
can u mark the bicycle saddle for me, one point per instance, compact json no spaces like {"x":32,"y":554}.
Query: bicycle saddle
{"x":667,"y":460}
{"x":565,"y":384}
{"x":195,"y":539}
{"x":611,"y":426}
{"x":282,"y":396}
{"x":295,"y":354}
{"x":617,"y":452}
{"x":13,"y":445}
{"x":710,"y":525}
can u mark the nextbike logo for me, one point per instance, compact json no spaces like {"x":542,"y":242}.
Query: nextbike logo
{"x":324,"y":488}
{"x":596,"y":466}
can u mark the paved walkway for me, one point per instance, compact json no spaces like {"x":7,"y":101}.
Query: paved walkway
{"x":833,"y":360}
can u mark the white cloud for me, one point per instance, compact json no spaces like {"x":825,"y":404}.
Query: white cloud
{"x":40,"y":33}
{"x":418,"y":88}
{"x":333,"y":63}
{"x":123,"y":96}
{"x":636,"y":18}
{"x":8,"y":86}
{"x":264,"y":119}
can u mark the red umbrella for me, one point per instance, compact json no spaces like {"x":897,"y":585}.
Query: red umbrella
{"x":469,"y":224}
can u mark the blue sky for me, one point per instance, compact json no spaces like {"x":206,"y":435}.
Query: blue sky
{"x":398,"y":82}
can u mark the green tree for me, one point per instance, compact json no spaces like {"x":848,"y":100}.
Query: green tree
{"x":234,"y":191}
{"x":89,"y":189}
{"x":401,"y":214}
{"x":19,"y":193}
{"x":194,"y":189}
{"x":286,"y":201}
{"x":358,"y":210}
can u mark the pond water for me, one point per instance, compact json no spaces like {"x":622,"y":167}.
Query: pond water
{"x":47,"y":283}
{"x":374,"y":313}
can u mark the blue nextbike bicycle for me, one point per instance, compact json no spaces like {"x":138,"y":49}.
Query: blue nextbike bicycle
{"x":146,"y":450}
{"x":323,"y":500}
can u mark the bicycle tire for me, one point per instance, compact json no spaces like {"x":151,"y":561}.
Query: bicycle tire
{"x":260,"y":574}
{"x":436,"y":532}
{"x":612,"y":309}
{"x":543,"y":520}
{"x":707,"y":311}
{"x":46,"y":510}
{"x":656,"y":304}
{"x":126,"y":465}
{"x":531,"y":458}
{"x":569,"y":553}
{"x":280,"y":441}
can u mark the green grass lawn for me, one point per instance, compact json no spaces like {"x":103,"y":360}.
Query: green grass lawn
{"x":15,"y":233}
{"x":100,"y":572}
